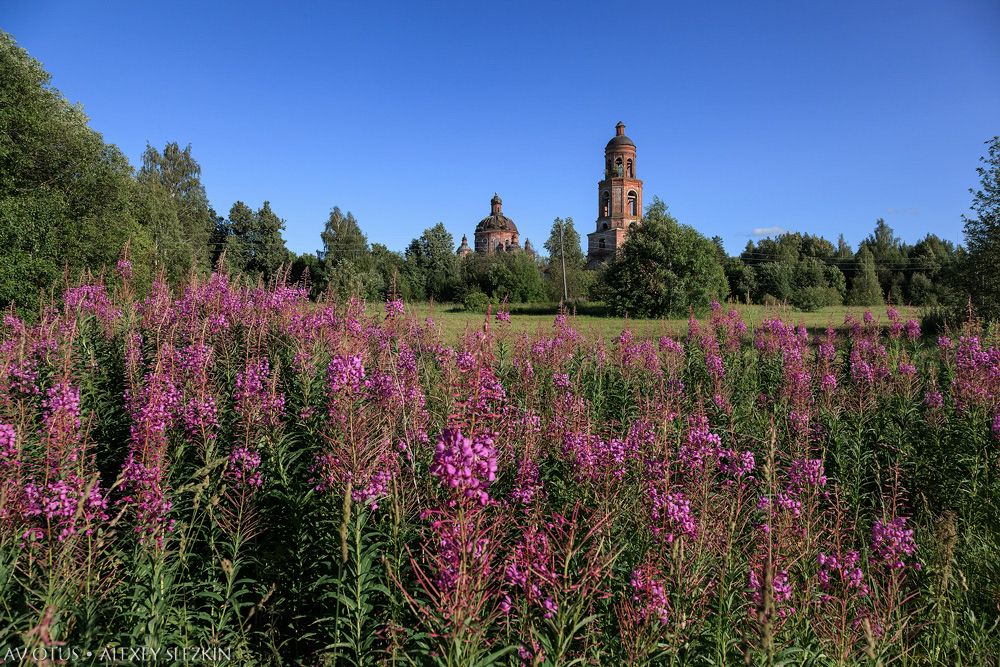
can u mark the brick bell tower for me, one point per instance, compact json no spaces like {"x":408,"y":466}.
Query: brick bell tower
{"x":619,"y":199}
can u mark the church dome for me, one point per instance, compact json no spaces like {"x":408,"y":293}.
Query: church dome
{"x":496,"y":221}
{"x":619,"y":139}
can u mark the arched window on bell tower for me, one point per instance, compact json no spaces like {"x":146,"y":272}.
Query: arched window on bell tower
{"x":605,"y":204}
{"x":618,"y":167}
{"x":600,"y":244}
{"x":628,"y":168}
{"x":633,"y":203}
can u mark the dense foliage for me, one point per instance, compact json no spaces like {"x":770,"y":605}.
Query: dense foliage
{"x":664,"y":269}
{"x":66,"y":197}
{"x":565,"y":250}
{"x":982,"y":235}
{"x":240,"y":469}
{"x":809,"y":272}
{"x":252,"y":242}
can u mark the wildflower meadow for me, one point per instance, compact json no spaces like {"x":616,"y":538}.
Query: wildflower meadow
{"x":235,"y":466}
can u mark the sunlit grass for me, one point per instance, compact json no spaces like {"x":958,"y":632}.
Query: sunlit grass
{"x":592,"y":322}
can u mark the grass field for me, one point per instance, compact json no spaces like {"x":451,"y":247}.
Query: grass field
{"x":593,"y":320}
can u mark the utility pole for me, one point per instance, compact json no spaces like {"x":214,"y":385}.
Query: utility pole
{"x":562,"y":252}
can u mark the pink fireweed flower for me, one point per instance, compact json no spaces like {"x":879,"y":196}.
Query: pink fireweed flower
{"x":977,"y":377}
{"x":8,"y":445}
{"x":92,"y":299}
{"x":62,"y":411}
{"x":465,"y":465}
{"x":843,"y":571}
{"x":805,"y":475}
{"x":369,"y":483}
{"x":67,"y":507}
{"x":715,"y":367}
{"x":195,"y":360}
{"x":503,"y":316}
{"x":394,"y":308}
{"x":670,"y":345}
{"x":996,"y":425}
{"x":896,"y":325}
{"x":597,"y":459}
{"x":912,"y":329}
{"x":702,"y":445}
{"x":649,"y":595}
{"x":465,"y":361}
{"x":531,"y":569}
{"x":254,"y":399}
{"x":800,"y":421}
{"x":789,"y":503}
{"x":146,"y":496}
{"x":933,"y":399}
{"x":828,"y":384}
{"x":560,"y":380}
{"x":527,"y":484}
{"x":781,"y":589}
{"x":153,"y":407}
{"x":200,"y":417}
{"x":124,"y":269}
{"x":671,"y":515}
{"x":892,"y":542}
{"x":243,"y":468}
{"x":345,"y":372}
{"x":737,"y":464}
{"x":376,"y":489}
{"x":463,"y":549}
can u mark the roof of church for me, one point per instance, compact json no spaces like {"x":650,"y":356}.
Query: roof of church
{"x":619,"y":139}
{"x":496,"y":223}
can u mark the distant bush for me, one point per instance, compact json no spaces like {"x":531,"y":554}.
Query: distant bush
{"x":476,"y":302}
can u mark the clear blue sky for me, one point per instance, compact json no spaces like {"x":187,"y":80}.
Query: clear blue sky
{"x":811,"y":116}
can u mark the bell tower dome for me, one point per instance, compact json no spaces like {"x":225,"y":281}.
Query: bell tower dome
{"x":619,"y":199}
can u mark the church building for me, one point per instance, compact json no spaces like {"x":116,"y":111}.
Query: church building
{"x":619,"y":199}
{"x":495,"y":233}
{"x":619,"y":206}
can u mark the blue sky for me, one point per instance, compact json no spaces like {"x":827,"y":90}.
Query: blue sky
{"x":810,"y":116}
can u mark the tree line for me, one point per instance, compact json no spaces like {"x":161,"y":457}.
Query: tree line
{"x":71,"y":203}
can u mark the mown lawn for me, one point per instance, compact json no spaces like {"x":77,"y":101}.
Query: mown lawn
{"x":593,"y":320}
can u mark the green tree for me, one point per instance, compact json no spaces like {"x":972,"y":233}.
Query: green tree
{"x":800,"y":269}
{"x":217,"y":241}
{"x":742,"y":278}
{"x":933,"y":282}
{"x":513,"y":276}
{"x":254,"y":246}
{"x":348,"y":266}
{"x":240,"y":227}
{"x":343,"y":240}
{"x":774,"y":281}
{"x":865,"y":291}
{"x":308,"y":270}
{"x":389,"y":266}
{"x":982,"y":236}
{"x":664,"y":269}
{"x":889,"y":254}
{"x":174,"y":209}
{"x":65,"y":195}
{"x":564,"y":244}
{"x":431,"y":266}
